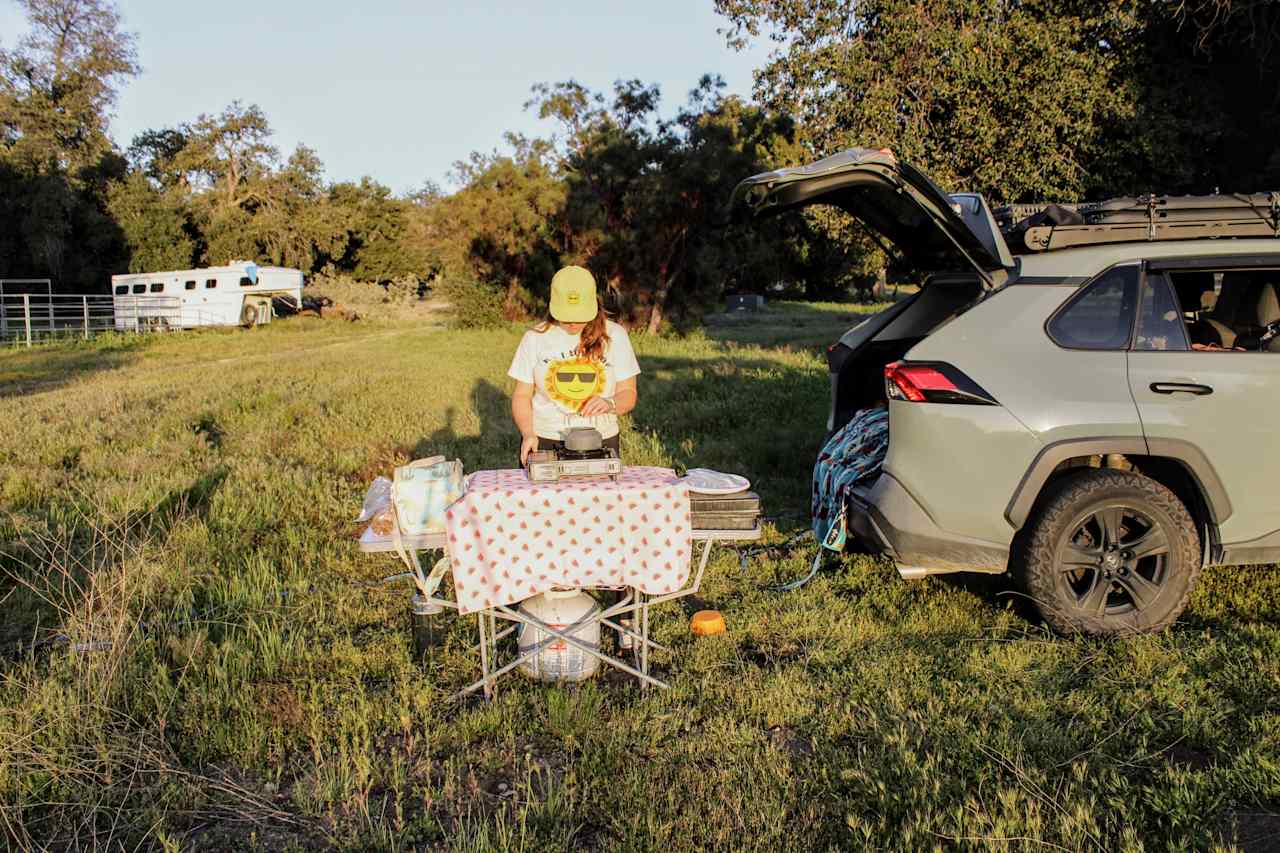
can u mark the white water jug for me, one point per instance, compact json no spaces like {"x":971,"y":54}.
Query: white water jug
{"x":559,"y":660}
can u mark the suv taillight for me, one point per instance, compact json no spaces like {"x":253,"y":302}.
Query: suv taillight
{"x":932,"y":382}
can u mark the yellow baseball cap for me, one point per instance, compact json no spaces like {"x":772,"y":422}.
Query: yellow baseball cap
{"x":573,"y":296}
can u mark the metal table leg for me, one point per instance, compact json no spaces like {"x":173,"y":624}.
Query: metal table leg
{"x":484,"y":655}
{"x":644,"y":633}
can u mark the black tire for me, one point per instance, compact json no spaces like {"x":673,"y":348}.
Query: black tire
{"x":1109,"y":552}
{"x":249,"y":315}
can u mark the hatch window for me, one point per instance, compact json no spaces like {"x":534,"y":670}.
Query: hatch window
{"x":157,"y":287}
{"x":189,"y":285}
{"x":210,"y":283}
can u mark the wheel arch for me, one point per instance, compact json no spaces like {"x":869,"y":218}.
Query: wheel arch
{"x":1180,"y":466}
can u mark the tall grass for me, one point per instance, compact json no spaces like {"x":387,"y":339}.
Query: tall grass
{"x":197,"y":657}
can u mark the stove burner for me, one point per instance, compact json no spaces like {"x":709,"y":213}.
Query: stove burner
{"x":599,"y":453}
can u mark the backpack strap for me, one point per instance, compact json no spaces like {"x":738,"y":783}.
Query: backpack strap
{"x":427,"y":583}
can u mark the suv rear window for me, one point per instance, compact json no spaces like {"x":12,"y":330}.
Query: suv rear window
{"x":1160,"y":322}
{"x":1100,"y":316}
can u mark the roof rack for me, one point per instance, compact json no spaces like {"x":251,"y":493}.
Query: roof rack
{"x":1042,"y":228}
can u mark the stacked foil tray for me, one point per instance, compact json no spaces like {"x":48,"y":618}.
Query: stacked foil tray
{"x":737,"y":511}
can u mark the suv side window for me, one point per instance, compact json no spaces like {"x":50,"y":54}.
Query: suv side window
{"x":1232,"y":309}
{"x":1100,"y":316}
{"x":1160,"y":321}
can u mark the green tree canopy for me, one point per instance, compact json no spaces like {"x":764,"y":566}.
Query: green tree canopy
{"x":57,"y":87}
{"x":1028,"y":100}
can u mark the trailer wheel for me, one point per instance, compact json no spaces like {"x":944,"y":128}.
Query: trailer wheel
{"x":249,"y":315}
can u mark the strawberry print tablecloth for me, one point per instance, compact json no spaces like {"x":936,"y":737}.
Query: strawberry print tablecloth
{"x":509,"y":538}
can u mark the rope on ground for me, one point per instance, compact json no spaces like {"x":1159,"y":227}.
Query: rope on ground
{"x":780,"y":550}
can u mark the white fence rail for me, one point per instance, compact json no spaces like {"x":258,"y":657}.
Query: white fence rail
{"x":30,"y":318}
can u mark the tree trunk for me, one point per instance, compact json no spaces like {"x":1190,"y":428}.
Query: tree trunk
{"x":659,"y":311}
{"x":667,"y":273}
{"x":511,"y":304}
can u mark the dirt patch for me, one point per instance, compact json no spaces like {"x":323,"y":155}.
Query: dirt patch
{"x":772,"y":655}
{"x":1255,"y":832}
{"x":789,"y":742}
{"x":1186,"y":758}
{"x":283,"y":704}
{"x":206,"y":427}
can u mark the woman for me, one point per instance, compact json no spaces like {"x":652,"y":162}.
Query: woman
{"x":575,"y":369}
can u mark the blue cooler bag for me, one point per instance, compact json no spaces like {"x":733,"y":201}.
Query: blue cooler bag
{"x":422,"y":491}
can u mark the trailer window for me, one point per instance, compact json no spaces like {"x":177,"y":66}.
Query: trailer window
{"x":210,"y":283}
{"x":245,"y":281}
{"x":122,"y":289}
{"x":157,"y":287}
{"x":139,"y":288}
{"x":190,"y":285}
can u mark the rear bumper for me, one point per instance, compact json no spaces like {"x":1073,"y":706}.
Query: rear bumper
{"x":886,"y":519}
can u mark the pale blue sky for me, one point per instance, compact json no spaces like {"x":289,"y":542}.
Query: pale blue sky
{"x":400,"y":90}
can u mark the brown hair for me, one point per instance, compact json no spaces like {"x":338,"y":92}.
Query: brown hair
{"x":593,"y":340}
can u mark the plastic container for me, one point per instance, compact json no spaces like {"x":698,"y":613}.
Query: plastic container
{"x":559,"y":660}
{"x":427,"y":630}
{"x":707,"y":623}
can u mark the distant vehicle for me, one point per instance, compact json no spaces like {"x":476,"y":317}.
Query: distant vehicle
{"x":1084,"y":395}
{"x":238,"y":294}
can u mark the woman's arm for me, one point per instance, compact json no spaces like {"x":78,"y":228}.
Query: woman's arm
{"x":624,"y":396}
{"x":624,"y":400}
{"x":522,"y":414}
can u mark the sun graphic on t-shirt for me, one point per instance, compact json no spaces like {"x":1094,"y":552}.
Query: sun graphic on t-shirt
{"x":573,"y":381}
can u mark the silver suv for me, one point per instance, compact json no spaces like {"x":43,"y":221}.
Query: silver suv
{"x":1086,"y":397}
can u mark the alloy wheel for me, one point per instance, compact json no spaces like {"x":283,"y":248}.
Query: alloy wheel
{"x":1113,"y":560}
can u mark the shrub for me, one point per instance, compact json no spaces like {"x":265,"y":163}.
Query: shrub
{"x":474,"y":304}
{"x":400,"y":298}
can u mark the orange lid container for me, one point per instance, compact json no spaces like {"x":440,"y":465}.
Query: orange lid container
{"x":707,"y":623}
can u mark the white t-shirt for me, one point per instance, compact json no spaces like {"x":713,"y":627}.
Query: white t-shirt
{"x":563,"y":381}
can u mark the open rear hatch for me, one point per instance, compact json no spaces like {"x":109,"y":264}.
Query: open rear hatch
{"x":896,"y":202}
{"x":952,"y":240}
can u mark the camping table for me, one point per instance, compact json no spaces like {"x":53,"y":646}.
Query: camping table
{"x":635,"y":601}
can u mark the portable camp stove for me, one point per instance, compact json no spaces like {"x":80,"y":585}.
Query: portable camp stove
{"x":581,"y":457}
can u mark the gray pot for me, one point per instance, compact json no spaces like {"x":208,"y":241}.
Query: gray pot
{"x":582,"y":439}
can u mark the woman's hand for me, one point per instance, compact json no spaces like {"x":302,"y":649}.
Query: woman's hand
{"x":596,"y":406}
{"x":528,"y":444}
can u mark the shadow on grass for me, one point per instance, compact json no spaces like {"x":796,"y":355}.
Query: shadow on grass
{"x":497,"y":442}
{"x":762,"y":419}
{"x":44,"y":368}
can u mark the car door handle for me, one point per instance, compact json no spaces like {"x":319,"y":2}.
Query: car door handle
{"x":1183,"y":387}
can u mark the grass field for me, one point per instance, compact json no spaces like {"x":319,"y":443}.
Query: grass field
{"x":197,"y":657}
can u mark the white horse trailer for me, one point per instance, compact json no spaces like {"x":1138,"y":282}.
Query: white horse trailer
{"x":238,"y":294}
